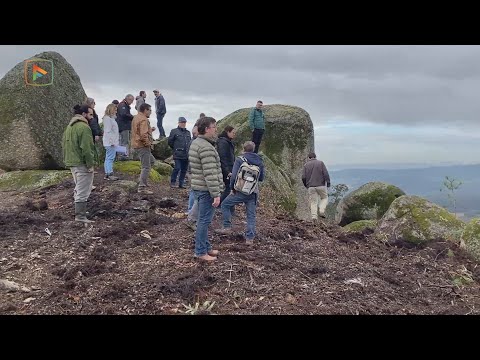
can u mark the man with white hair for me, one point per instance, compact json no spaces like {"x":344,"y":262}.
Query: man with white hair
{"x":124,"y":121}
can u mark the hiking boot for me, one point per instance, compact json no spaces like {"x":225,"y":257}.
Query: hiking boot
{"x":144,"y":191}
{"x":182,"y":187}
{"x":213,"y":252}
{"x":224,"y":231}
{"x":323,"y":215}
{"x":206,"y":257}
{"x":81,"y":212}
{"x":93,"y":188}
{"x":191,"y":225}
{"x":248,"y":241}
{"x":110,"y":177}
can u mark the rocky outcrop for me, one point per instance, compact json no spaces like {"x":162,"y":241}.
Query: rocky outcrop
{"x":368,"y":202}
{"x":416,"y":220}
{"x":285,"y":146}
{"x":361,"y":225}
{"x":134,"y":168}
{"x":32,"y":179}
{"x":161,"y":150}
{"x":33,"y":118}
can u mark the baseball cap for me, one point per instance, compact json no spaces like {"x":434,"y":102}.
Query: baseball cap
{"x":181,"y":119}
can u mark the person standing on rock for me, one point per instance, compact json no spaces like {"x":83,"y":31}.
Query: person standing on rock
{"x":78,"y":154}
{"x":160,"y":110}
{"x":111,"y":139}
{"x":142,"y":142}
{"x":124,"y":121}
{"x":140,"y":99}
{"x":237,"y":197}
{"x":206,"y":183}
{"x":179,"y":140}
{"x":316,"y":179}
{"x":256,"y":121}
{"x":226,"y":151}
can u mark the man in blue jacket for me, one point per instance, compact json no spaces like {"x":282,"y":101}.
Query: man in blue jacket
{"x":179,"y":140}
{"x":256,"y":122}
{"x":237,"y":197}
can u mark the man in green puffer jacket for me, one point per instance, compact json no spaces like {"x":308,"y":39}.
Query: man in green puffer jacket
{"x":206,"y":183}
{"x":256,"y":122}
{"x":79,"y":156}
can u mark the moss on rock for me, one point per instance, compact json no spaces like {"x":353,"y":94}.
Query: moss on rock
{"x":368,"y":202}
{"x":162,"y":168}
{"x":417,"y":220}
{"x":361,"y":225}
{"x":471,"y":238}
{"x":161,"y":150}
{"x":134,"y":168}
{"x":128,"y":185}
{"x":28,"y":180}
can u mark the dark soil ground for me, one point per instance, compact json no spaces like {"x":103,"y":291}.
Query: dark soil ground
{"x":137,"y":258}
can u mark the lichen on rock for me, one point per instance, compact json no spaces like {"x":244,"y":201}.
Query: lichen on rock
{"x":28,"y":180}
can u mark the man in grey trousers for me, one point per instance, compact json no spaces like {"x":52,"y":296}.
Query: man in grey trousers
{"x":316,"y":179}
{"x":142,"y":144}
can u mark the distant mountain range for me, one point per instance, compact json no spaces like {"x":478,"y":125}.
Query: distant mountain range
{"x":425,"y":182}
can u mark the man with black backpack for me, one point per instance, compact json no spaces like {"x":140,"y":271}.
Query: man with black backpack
{"x":247,"y":172}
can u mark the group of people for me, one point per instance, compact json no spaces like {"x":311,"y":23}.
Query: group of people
{"x":218,"y":178}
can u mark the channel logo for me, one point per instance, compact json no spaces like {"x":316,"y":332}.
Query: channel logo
{"x":38,"y":72}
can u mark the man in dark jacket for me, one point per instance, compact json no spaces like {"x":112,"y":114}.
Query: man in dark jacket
{"x":226,"y":151}
{"x":237,"y":197}
{"x":124,"y":121}
{"x":161,"y":110}
{"x":179,"y":140}
{"x":316,"y":179}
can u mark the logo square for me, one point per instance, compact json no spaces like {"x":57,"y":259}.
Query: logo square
{"x":38,"y":72}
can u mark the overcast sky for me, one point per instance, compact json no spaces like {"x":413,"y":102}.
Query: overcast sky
{"x":369,"y":104}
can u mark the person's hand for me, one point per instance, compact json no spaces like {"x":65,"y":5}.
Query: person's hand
{"x":97,"y":138}
{"x":229,"y":175}
{"x":216,"y":201}
{"x":90,"y":170}
{"x":154,"y":128}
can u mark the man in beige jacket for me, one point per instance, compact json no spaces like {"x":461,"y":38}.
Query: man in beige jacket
{"x":141,"y":141}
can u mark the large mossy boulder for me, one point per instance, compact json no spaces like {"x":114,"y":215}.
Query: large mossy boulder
{"x":134,"y":168}
{"x":368,"y":202}
{"x":471,"y":238}
{"x":33,"y":118}
{"x":28,"y":180}
{"x":161,"y":150}
{"x":287,"y":140}
{"x":416,"y":220}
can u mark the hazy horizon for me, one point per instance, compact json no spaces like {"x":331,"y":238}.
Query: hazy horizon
{"x":370,"y":105}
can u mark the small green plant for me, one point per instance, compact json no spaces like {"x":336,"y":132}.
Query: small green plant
{"x":462,"y":277}
{"x":205,"y":308}
{"x":450,"y":185}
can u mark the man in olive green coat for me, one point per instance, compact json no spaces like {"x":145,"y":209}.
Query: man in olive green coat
{"x":78,"y":155}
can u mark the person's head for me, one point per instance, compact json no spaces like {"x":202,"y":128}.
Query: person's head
{"x":129,"y":99}
{"x":182,"y":122}
{"x":259,"y":104}
{"x":90,"y":102}
{"x":195,"y":131}
{"x":143,"y":94}
{"x":207,"y":126}
{"x":312,"y":155}
{"x":145,"y":109}
{"x":116,"y":102}
{"x":248,"y":146}
{"x":111,"y":110}
{"x":156,"y":92}
{"x":84,"y":110}
{"x":202,"y":115}
{"x":229,"y":132}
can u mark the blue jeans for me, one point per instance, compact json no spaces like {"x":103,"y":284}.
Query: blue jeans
{"x":160,"y":124}
{"x":205,"y":216}
{"x":180,"y":166}
{"x":228,"y":205}
{"x":191,"y":200}
{"x":109,"y":158}
{"x":226,"y":192}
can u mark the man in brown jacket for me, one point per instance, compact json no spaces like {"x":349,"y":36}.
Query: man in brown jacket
{"x":315,"y":176}
{"x":141,"y":141}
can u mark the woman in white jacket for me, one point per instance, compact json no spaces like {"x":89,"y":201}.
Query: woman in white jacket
{"x":111,"y":139}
